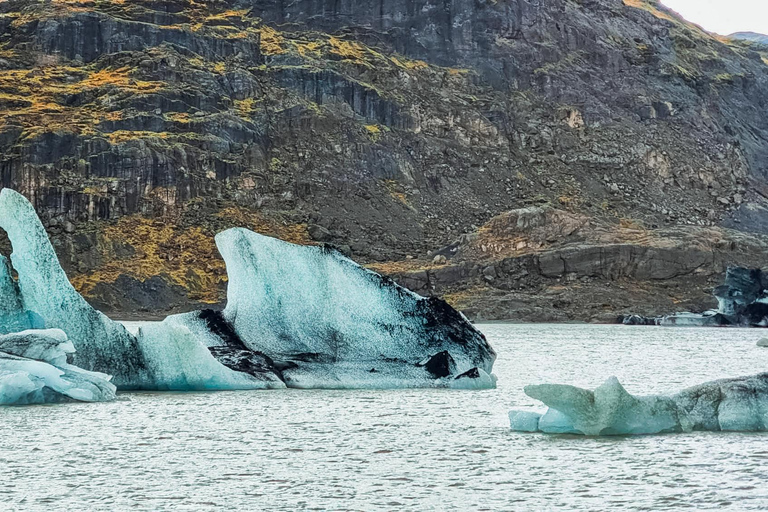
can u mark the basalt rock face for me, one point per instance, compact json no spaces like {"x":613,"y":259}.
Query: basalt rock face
{"x":388,"y":129}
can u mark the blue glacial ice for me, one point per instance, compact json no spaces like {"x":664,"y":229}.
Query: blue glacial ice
{"x":179,"y":353}
{"x":34,"y":370}
{"x":304,"y":317}
{"x":13,"y":316}
{"x":102,"y":345}
{"x":331,"y":323}
{"x":739,"y":404}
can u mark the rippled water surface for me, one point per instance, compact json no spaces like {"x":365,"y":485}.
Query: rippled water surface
{"x":396,"y":450}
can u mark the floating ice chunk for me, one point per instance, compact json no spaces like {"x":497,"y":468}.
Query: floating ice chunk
{"x":34,"y":369}
{"x":49,"y":345}
{"x":24,"y":381}
{"x":742,"y":301}
{"x":763,"y":342}
{"x":164,"y":356}
{"x":728,"y":405}
{"x":739,"y":405}
{"x":609,"y":410}
{"x":101,"y":344}
{"x":475,"y":378}
{"x":179,"y":359}
{"x":524,"y":421}
{"x":707,"y":319}
{"x":304,"y":370}
{"x":315,"y":308}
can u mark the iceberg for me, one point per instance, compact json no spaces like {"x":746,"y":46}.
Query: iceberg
{"x":331,"y":323}
{"x":181,"y":355}
{"x":739,"y":405}
{"x":102,"y":345}
{"x":34,"y":370}
{"x":303,"y":317}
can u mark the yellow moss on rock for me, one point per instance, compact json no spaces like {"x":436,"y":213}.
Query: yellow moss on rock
{"x":272,"y":41}
{"x":119,"y":78}
{"x":32,"y":95}
{"x":374,"y":132}
{"x":409,"y":64}
{"x":650,"y":6}
{"x":393,"y":188}
{"x":400,"y":267}
{"x":464,"y":298}
{"x":232,"y":13}
{"x":120,"y":136}
{"x":346,"y":49}
{"x":187,"y":256}
{"x":253,"y":220}
{"x":179,"y":117}
{"x":245,"y":108}
{"x":308,"y":49}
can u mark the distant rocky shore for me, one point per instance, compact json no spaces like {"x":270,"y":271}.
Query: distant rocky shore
{"x":742,"y":302}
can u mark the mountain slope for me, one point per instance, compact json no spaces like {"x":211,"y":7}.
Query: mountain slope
{"x":387,"y":128}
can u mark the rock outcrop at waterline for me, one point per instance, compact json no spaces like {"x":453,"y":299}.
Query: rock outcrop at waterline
{"x":297,"y":316}
{"x":549,"y":264}
{"x":742,"y":302}
{"x":735,"y":405}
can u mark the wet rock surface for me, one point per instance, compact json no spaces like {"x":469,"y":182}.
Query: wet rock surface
{"x":394,"y":132}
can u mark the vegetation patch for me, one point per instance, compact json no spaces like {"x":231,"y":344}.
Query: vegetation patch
{"x":188,"y":256}
{"x":255,"y":221}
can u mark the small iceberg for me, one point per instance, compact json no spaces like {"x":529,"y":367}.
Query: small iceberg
{"x":742,"y":302}
{"x":736,"y":405}
{"x":296,"y":316}
{"x":34,"y":370}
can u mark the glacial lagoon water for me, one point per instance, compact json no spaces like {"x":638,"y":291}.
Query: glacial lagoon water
{"x":399,"y":450}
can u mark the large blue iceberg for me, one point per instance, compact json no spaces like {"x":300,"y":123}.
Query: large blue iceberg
{"x":44,"y":290}
{"x":296,"y":316}
{"x":737,"y":405}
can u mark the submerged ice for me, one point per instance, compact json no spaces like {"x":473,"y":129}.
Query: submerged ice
{"x":739,"y":404}
{"x":34,"y":369}
{"x":296,"y":316}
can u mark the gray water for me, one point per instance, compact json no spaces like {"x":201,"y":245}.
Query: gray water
{"x":399,"y":450}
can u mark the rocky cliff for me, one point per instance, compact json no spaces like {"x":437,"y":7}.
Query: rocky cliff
{"x":403,"y":132}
